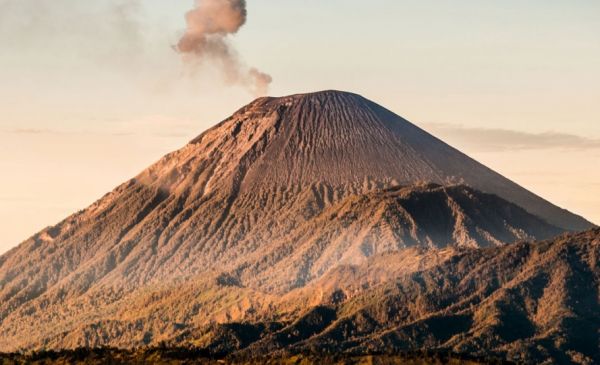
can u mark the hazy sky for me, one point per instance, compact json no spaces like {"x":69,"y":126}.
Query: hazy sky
{"x":91,"y":92}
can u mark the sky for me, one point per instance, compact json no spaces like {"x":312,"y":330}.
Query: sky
{"x":91,"y":93}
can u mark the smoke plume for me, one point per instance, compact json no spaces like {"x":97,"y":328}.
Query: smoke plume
{"x":209,"y":25}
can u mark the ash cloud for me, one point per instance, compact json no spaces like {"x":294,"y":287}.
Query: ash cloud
{"x":209,"y":25}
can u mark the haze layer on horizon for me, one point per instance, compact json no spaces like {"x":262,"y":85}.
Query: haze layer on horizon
{"x":92,"y":93}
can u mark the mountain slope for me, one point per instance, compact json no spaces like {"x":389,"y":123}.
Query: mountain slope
{"x":270,"y":200}
{"x":340,"y":138}
{"x":114,"y":287}
{"x":527,"y":302}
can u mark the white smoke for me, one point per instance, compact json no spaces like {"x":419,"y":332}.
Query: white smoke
{"x":209,"y":25}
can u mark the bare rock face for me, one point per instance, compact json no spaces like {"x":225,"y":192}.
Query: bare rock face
{"x":249,"y":215}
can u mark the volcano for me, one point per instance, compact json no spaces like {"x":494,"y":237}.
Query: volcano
{"x":254,"y":219}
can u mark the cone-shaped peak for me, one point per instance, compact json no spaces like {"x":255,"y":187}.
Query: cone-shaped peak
{"x":343,"y":139}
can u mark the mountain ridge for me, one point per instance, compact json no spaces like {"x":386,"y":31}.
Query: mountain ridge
{"x":264,"y":204}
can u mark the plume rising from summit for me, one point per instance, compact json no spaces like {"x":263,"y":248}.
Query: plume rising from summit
{"x":209,"y":25}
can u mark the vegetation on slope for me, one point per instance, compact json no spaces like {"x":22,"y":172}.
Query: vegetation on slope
{"x":183,"y":356}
